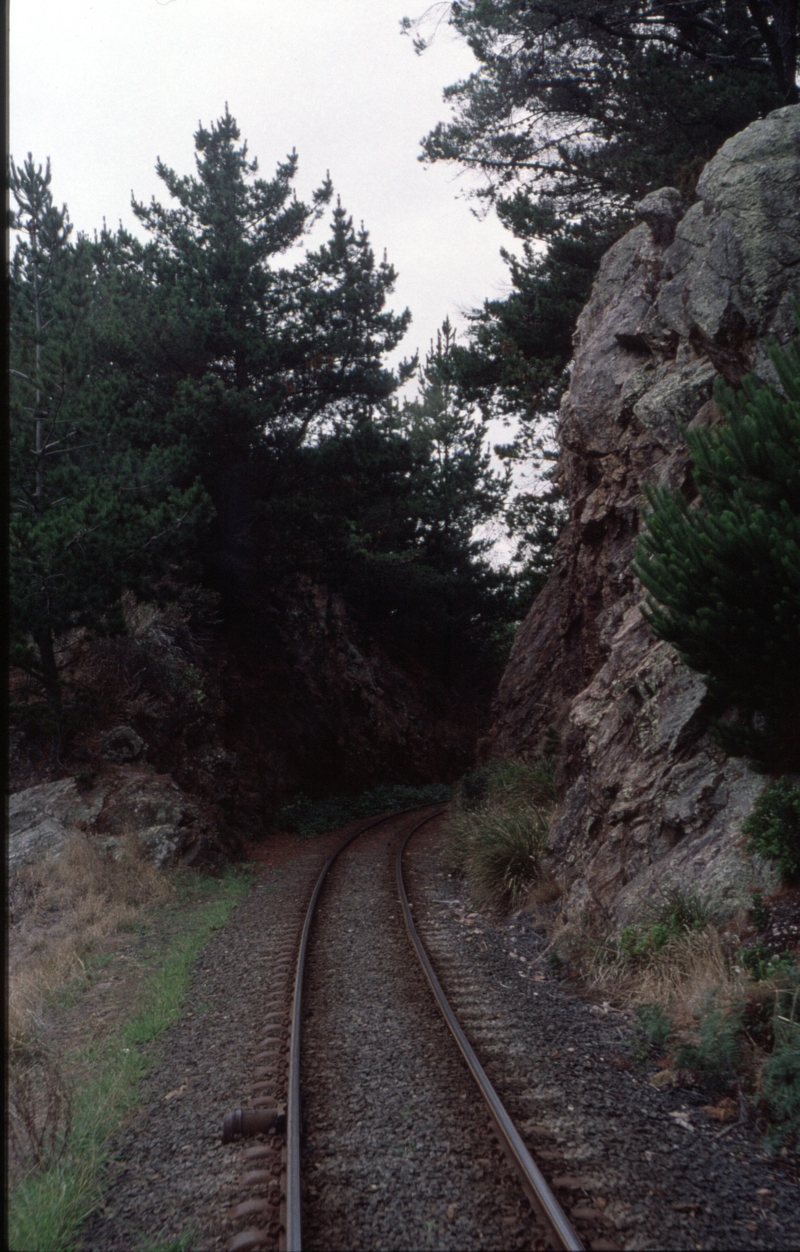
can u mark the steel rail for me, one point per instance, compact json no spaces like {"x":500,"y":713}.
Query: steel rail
{"x":294,"y":1233}
{"x":532,"y":1179}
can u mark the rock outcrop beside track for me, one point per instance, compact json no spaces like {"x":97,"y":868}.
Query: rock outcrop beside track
{"x":680,"y":300}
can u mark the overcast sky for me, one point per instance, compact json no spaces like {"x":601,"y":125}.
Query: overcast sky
{"x":103,"y":87}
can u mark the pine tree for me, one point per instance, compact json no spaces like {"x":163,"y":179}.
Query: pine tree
{"x":456,"y":490}
{"x":97,"y":497}
{"x":724,"y":573}
{"x":573,"y":113}
{"x":257,"y":359}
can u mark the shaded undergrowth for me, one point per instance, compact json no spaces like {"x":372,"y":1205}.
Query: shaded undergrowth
{"x":719,"y":1011}
{"x":313,"y":817}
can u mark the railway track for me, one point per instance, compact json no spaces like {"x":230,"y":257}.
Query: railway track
{"x":287,"y":1215}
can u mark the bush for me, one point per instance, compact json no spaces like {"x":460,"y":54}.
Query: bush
{"x":774,"y":827}
{"x":312,"y":817}
{"x":656,"y":1024}
{"x":715,"y":1056}
{"x":780,"y":1092}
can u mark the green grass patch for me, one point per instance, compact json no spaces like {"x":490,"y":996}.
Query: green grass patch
{"x":49,"y":1206}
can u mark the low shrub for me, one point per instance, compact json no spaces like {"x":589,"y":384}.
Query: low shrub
{"x":716,"y":1052}
{"x":774,"y":827}
{"x":780,"y":1093}
{"x":498,"y":826}
{"x":679,"y":913}
{"x":311,"y":817}
{"x":656,"y":1024}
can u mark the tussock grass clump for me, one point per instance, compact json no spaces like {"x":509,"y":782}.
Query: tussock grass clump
{"x":498,"y":827}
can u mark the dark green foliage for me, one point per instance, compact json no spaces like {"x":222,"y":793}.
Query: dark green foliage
{"x":759,"y":913}
{"x":715,"y":1055}
{"x":762,"y":965}
{"x":100,"y":497}
{"x":313,"y":817}
{"x":774,"y":827}
{"x":594,"y":105}
{"x":781,"y":1092}
{"x":656,"y":1024}
{"x":197,"y":385}
{"x":724,"y":574}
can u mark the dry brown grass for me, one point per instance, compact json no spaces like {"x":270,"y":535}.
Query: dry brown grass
{"x":681,"y":975}
{"x":61,"y":911}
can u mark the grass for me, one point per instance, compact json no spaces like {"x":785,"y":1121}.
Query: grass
{"x":48,"y":1205}
{"x":62,"y":913}
{"x":727,"y":1013}
{"x":497,"y":829}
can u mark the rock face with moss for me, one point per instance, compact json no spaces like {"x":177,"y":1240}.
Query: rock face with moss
{"x":647,"y":798}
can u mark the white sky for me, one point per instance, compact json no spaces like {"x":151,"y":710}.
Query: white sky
{"x":103,"y":87}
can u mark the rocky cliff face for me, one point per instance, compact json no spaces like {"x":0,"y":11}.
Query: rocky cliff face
{"x":647,"y":797}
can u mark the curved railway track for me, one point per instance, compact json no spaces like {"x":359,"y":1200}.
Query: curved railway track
{"x":285,"y":1063}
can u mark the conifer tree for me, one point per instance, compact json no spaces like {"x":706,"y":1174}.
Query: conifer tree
{"x":724,"y":573}
{"x":456,"y":490}
{"x":97,"y":497}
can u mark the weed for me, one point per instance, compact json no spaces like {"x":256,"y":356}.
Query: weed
{"x":656,"y":1024}
{"x":715,"y":1055}
{"x":180,"y":1244}
{"x":683,"y":908}
{"x":762,"y":965}
{"x":39,"y":1113}
{"x":780,"y":1093}
{"x":678,"y":914}
{"x":759,"y":913}
{"x":774,"y":827}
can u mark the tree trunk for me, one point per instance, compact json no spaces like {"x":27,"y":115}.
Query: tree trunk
{"x":44,"y":642}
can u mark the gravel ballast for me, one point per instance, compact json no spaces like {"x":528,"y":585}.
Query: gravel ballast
{"x":661,"y":1173}
{"x":398,"y":1150}
{"x":398,"y":1153}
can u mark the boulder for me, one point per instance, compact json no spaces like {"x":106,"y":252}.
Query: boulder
{"x":125,"y":802}
{"x":647,"y":798}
